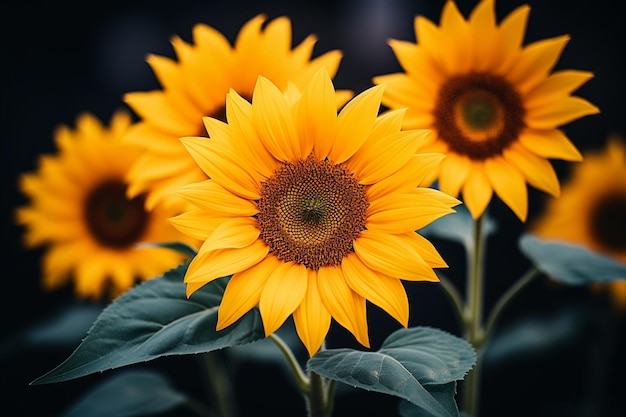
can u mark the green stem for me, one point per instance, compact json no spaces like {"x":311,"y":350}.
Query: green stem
{"x":474,"y":333}
{"x":302,"y":380}
{"x":531,"y":274}
{"x":220,"y":384}
{"x":318,"y":392}
{"x":453,"y":295}
{"x":318,"y":400}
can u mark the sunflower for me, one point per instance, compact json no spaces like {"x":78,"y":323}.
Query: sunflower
{"x":312,"y":212}
{"x":494,"y":105}
{"x":80,"y":213}
{"x":196,"y":86}
{"x":591,"y":210}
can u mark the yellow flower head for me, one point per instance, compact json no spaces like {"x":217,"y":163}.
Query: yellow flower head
{"x":80,"y":212}
{"x":196,"y":85}
{"x":493,"y":104}
{"x":591,"y":210}
{"x":312,"y":212}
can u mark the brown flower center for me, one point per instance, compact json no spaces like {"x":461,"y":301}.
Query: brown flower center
{"x":311,"y":211}
{"x":112,"y":218}
{"x":478,"y":115}
{"x":608,"y":222}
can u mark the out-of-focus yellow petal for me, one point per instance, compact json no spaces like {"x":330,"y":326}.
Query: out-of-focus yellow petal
{"x":508,"y":182}
{"x":477,"y":191}
{"x":550,"y":143}
{"x":538,"y":171}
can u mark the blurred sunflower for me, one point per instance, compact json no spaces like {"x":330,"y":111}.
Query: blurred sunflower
{"x":591,"y":210}
{"x":80,"y":213}
{"x":494,"y":105}
{"x":196,"y":86}
{"x":312,"y":212}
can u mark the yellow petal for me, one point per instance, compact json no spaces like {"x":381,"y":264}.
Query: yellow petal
{"x":155,"y":107}
{"x":243,"y":132}
{"x":311,"y":319}
{"x":512,"y":31}
{"x":155,"y":166}
{"x":477,"y":190}
{"x":167,"y":72}
{"x":383,"y":157}
{"x":538,"y":171}
{"x":555,"y":88}
{"x":426,"y":250}
{"x":344,"y":305}
{"x":456,"y":40}
{"x":207,"y":266}
{"x":536,"y":61}
{"x":549,"y":143}
{"x":195,"y":223}
{"x":384,"y":291}
{"x":354,"y":123}
{"x":273,"y":121}
{"x":564,"y":111}
{"x":159,"y":141}
{"x":390,"y":255}
{"x":237,"y":232}
{"x":428,"y":36}
{"x":400,"y":90}
{"x":388,"y":122}
{"x":399,"y":213}
{"x":484,"y":36}
{"x":317,"y":133}
{"x":418,"y":168}
{"x":216,"y":200}
{"x":243,"y":291}
{"x":453,"y":172}
{"x":224,"y":165}
{"x":508,"y":182}
{"x":57,"y":264}
{"x":282,"y":294}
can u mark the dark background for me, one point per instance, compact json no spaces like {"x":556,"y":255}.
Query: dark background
{"x":558,"y":349}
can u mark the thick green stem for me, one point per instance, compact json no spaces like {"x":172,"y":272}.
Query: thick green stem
{"x":474,"y":333}
{"x":318,"y":400}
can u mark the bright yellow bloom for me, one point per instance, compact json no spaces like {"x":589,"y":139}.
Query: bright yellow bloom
{"x":312,"y":212}
{"x":591,"y":210}
{"x":493,"y":104}
{"x":80,"y":213}
{"x":196,"y":85}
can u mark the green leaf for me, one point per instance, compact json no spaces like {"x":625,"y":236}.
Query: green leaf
{"x":155,"y":319}
{"x":412,"y":364}
{"x":443,"y":393}
{"x":131,"y":393}
{"x":570,"y":264}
